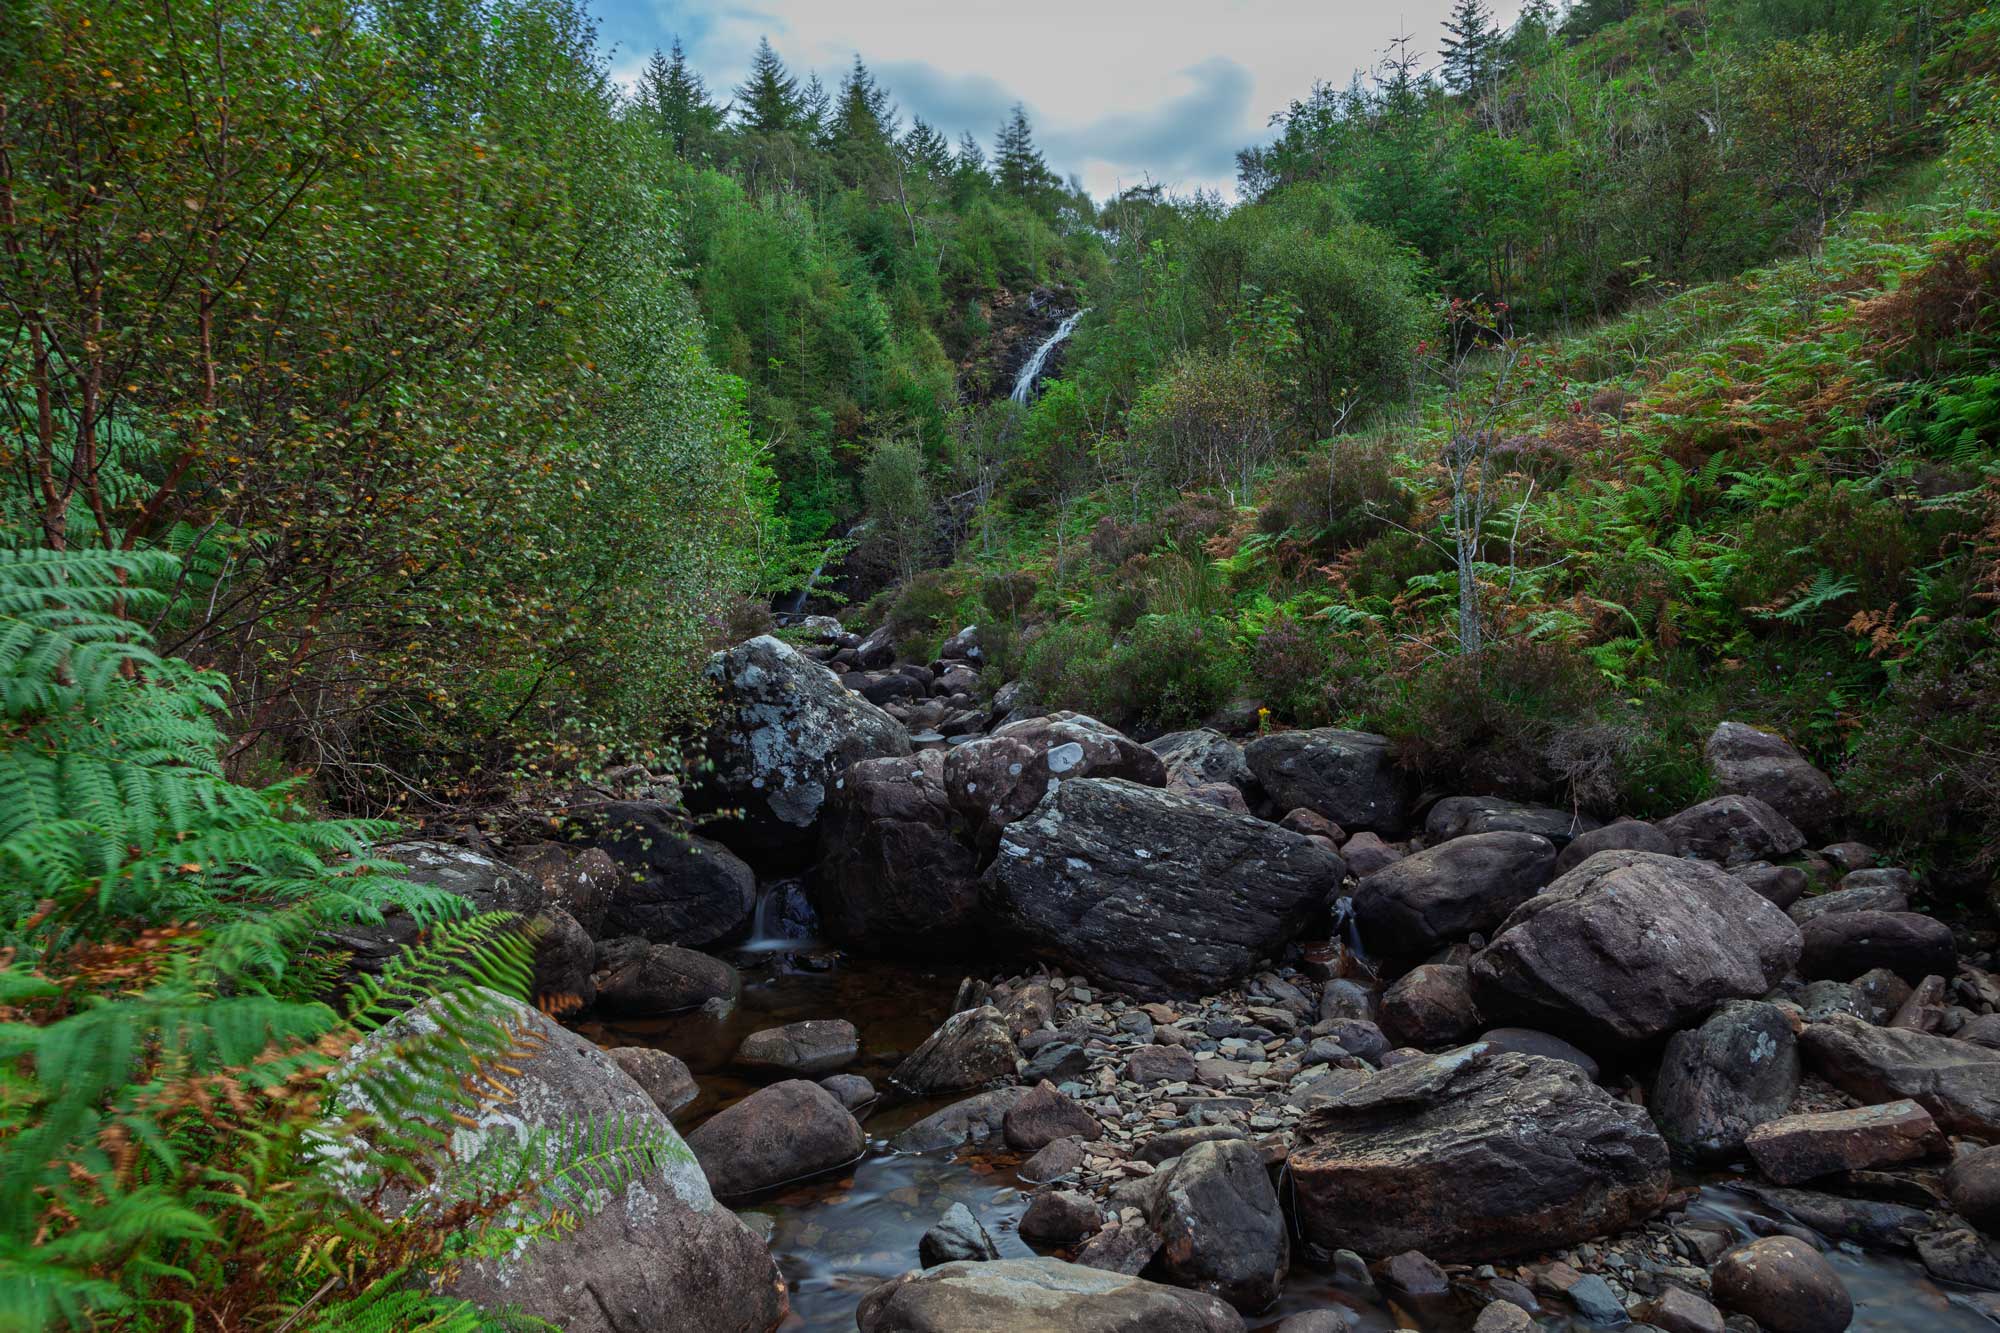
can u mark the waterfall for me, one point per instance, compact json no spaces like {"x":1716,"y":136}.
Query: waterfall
{"x":798,"y":605}
{"x":1024,"y":383}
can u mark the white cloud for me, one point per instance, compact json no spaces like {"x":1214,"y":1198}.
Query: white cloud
{"x":1119,"y":90}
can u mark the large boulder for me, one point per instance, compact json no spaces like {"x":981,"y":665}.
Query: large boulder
{"x":807,"y":1049}
{"x":1345,"y":775}
{"x":1877,"y":896}
{"x":580,"y":881}
{"x":1747,"y":762}
{"x":1459,"y":816}
{"x":1037,"y":1296}
{"x":1152,"y":891}
{"x":1840,"y":945}
{"x":1430,"y":1006}
{"x":1730,"y":830}
{"x":1202,"y":758}
{"x":1221,"y":1227}
{"x":1630,"y":946}
{"x":638,"y":979}
{"x":776,"y":1135}
{"x":1784,"y":1285}
{"x":676,"y":888}
{"x":1447,"y":892}
{"x":664,"y":1077}
{"x":1472,"y":1155}
{"x":892,"y":869}
{"x":1624,"y":835}
{"x":785,"y":730}
{"x":967,"y":1121}
{"x":971,"y":1048}
{"x":999,"y":779}
{"x":1721,"y":1080}
{"x":1956,"y":1081}
{"x":659,"y":1254}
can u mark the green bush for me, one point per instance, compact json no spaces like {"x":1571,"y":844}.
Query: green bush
{"x":1342,"y":497}
{"x":1068,"y":664}
{"x":1171,"y":671}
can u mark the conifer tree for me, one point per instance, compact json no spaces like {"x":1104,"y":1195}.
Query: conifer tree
{"x":768,"y":102}
{"x":815,"y":112}
{"x":1469,"y":46}
{"x":676,"y":99}
{"x":926,"y":150}
{"x":1017,"y":164}
{"x":862,"y":117}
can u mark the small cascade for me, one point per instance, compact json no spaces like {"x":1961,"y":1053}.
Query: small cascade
{"x":1024,"y":383}
{"x":798,"y":605}
{"x":783,"y":919}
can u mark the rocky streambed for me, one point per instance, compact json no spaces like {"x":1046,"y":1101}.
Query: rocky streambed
{"x":977,"y":1016}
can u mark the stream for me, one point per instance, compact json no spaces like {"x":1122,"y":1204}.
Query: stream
{"x":835,"y":1238}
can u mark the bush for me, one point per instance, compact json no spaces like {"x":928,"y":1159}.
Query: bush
{"x":1310,"y":678}
{"x":1068,"y":665}
{"x":1171,"y":671}
{"x":921,"y":613}
{"x":1338,"y":499}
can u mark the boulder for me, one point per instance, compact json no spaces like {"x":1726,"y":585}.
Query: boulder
{"x":1222,"y":1230}
{"x":1527,"y":1041}
{"x":1678,"y":1310}
{"x":1430,"y":1006}
{"x":1624,"y":835}
{"x":1730,"y":830}
{"x":1151,"y":1064}
{"x":1223,"y":797}
{"x":1846,"y":944}
{"x":1447,"y":892}
{"x":1472,"y":1155}
{"x":1202,"y":758}
{"x":1630,"y":946}
{"x":1747,"y":762}
{"x":997,"y":780}
{"x":1796,"y":1148}
{"x":785,"y":730}
{"x":850,"y":1090}
{"x":1037,"y":1296}
{"x":1366,"y":853}
{"x":970,"y":1048}
{"x":1781,"y":886}
{"x":1857,"y":898}
{"x":807,"y":1050}
{"x":1960,"y":1256}
{"x":660,"y":1252}
{"x":580,"y":881}
{"x":957,"y":1238}
{"x":892,"y":869}
{"x":1783,"y":1284}
{"x":674,"y":887}
{"x":966,"y":1121}
{"x":1045,"y":1115}
{"x":1061,"y":1217}
{"x":1463,"y":816}
{"x":1956,"y":1081}
{"x":1152,"y":891}
{"x":636,"y":979}
{"x":663,"y":1077}
{"x":1973,"y":1183}
{"x":1721,"y":1080}
{"x":565,"y":963}
{"x":1058,"y":1161}
{"x":1345,"y":775}
{"x":786,"y":1132}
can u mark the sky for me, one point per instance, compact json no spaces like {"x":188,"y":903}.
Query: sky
{"x":1120,"y":92}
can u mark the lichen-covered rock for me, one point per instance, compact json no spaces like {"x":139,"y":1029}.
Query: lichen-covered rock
{"x":999,"y":779}
{"x":972,"y":1047}
{"x":1037,"y":1296}
{"x":1623,"y":835}
{"x":1447,"y":892}
{"x":1462,"y":816}
{"x":776,"y":1135}
{"x":892,"y":869}
{"x":1749,"y":762}
{"x":1154,"y":891}
{"x":1475,"y":1154}
{"x":808,"y":1049}
{"x":1630,"y":946}
{"x":659,"y":1254}
{"x":785,"y":730}
{"x":1202,"y":758}
{"x":1721,"y":1080}
{"x":675,"y":887}
{"x":1730,"y":830}
{"x":1346,"y":776}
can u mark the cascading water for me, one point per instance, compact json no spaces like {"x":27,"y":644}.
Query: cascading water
{"x":1024,"y":383}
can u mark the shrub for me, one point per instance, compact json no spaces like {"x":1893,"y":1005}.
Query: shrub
{"x":1338,"y":499}
{"x":1068,"y":664}
{"x":921,"y":613}
{"x":1007,"y":596}
{"x":1171,"y":671}
{"x":1309,"y":677}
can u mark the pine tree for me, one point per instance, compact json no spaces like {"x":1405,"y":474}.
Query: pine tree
{"x":768,"y":102}
{"x":971,"y":158}
{"x":926,"y":150}
{"x":676,"y":99}
{"x":862,"y":118}
{"x":815,"y":112}
{"x":1017,"y":164}
{"x":1469,"y":46}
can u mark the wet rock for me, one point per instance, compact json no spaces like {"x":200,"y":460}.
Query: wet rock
{"x":636,"y":978}
{"x":1594,"y":1300}
{"x":1148,"y":1065}
{"x":808,"y":1049}
{"x":674,"y":887}
{"x":1058,"y":1062}
{"x":1366,"y":853}
{"x":1332,"y":1319}
{"x":1625,"y":835}
{"x":1058,"y":1161}
{"x":1152,"y":891}
{"x":1974,"y":1186}
{"x":1961,"y":1256}
{"x":1121,"y":1247}
{"x":1045,"y":1115}
{"x":1678,"y":1310}
{"x":1527,"y":1041}
{"x":1866,"y":1222}
{"x":1201,"y":758}
{"x":1475,"y":1154}
{"x":1356,"y":1036}
{"x":565,"y":963}
{"x":1861,"y":898}
{"x":1956,"y":1081}
{"x":1222,"y":1230}
{"x":1060,"y":1217}
{"x":1464,"y":816}
{"x":850,"y":1090}
{"x":1718,"y":1082}
{"x":663,"y":1077}
{"x":1749,"y":762}
{"x":971,"y":1048}
{"x":1782,"y":886}
{"x":998,"y":780}
{"x":1430,"y":1005}
{"x":660,"y":1251}
{"x":1630,"y":946}
{"x":891,"y":867}
{"x":786,"y":1132}
{"x":1730,"y":830}
{"x":966,"y":1121}
{"x":1846,"y":944}
{"x":1346,"y":776}
{"x":1846,"y":856}
{"x":1347,"y":999}
{"x":1414,"y":1274}
{"x":957,"y":1238}
{"x":1037,"y":1296}
{"x":1447,"y":892}
{"x":1797,"y":1148}
{"x":1783,"y":1284}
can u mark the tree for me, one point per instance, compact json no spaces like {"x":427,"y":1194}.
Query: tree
{"x":815,"y":112}
{"x":1469,"y":47}
{"x":768,"y":101}
{"x":676,"y":99}
{"x":926,"y":150}
{"x":1813,"y":121}
{"x":898,"y":497}
{"x":1018,"y":165}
